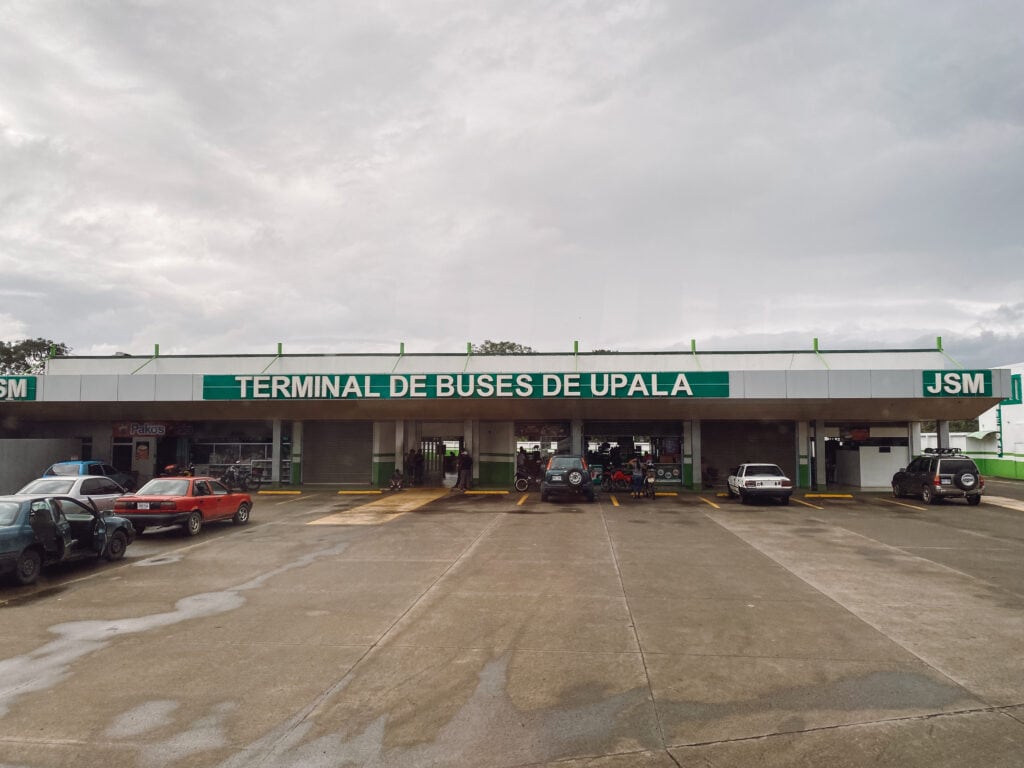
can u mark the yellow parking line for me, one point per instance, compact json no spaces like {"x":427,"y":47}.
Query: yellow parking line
{"x":486,"y":493}
{"x":665,"y":493}
{"x":370,"y":492}
{"x":806,"y":503}
{"x":709,"y":502}
{"x":615,"y":501}
{"x":828,"y":495}
{"x":904,"y":504}
{"x":522,"y":499}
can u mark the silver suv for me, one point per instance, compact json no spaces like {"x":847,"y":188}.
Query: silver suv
{"x":942,"y":473}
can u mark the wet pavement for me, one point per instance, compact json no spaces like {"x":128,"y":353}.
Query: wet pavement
{"x":442,"y":629}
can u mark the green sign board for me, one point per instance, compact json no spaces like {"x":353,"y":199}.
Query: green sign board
{"x":957,"y":383}
{"x":435,"y":386}
{"x":1015,"y":397}
{"x":17,"y":387}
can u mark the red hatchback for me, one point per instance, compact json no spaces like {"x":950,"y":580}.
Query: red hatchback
{"x":186,"y":501}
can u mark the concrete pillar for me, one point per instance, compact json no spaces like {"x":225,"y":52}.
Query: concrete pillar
{"x":400,"y":447}
{"x":692,"y":454}
{"x":576,"y":437}
{"x":942,"y":434}
{"x":470,"y":439}
{"x":275,"y":453}
{"x":803,"y":455}
{"x":914,"y":440}
{"x":820,"y":479}
{"x":296,"y":473}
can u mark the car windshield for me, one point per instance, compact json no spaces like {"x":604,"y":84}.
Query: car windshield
{"x":164,"y":486}
{"x":63,"y":469}
{"x":8,"y":511}
{"x":49,"y":485}
{"x":565,"y":462}
{"x":764,"y":469}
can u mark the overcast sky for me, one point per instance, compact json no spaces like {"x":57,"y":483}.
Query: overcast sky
{"x":342,"y":177}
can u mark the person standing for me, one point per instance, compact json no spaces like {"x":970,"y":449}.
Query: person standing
{"x":465,"y":470}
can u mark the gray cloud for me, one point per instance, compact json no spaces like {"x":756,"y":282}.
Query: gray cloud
{"x":630,"y":174}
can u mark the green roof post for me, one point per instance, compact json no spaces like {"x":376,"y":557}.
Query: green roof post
{"x":693,"y":346}
{"x":815,"y":343}
{"x":280,"y":348}
{"x":156,"y":350}
{"x":401,"y":347}
{"x":938,"y":343}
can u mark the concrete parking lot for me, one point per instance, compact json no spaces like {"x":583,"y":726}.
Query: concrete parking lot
{"x":448,"y":630}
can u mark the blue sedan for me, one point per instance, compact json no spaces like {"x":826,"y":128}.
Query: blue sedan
{"x":36,"y":531}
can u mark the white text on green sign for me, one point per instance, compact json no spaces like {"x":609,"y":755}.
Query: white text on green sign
{"x":17,"y":388}
{"x":957,"y":383}
{"x":466,"y":385}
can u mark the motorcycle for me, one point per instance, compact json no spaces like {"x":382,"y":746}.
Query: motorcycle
{"x":239,"y":478}
{"x":649,"y":479}
{"x":524,"y":480}
{"x":616,"y":480}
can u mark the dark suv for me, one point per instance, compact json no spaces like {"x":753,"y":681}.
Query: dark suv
{"x":567,"y":476}
{"x":942,"y":473}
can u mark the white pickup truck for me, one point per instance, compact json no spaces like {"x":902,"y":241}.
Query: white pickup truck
{"x":759,"y":481}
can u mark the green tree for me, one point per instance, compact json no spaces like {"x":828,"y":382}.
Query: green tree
{"x":501,"y":348}
{"x":28,"y":356}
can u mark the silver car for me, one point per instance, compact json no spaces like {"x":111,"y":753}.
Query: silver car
{"x":102,"y":490}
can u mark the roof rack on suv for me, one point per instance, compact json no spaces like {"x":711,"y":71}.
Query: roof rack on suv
{"x":944,"y":451}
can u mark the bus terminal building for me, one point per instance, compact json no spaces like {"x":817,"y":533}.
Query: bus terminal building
{"x":849,"y":417}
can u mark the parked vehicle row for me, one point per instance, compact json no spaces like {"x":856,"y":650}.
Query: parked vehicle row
{"x":59,"y":518}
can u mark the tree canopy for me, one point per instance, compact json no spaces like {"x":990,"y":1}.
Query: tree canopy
{"x":501,"y":348}
{"x":28,"y":356}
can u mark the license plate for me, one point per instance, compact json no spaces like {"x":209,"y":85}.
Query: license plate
{"x":143,"y":505}
{"x":946,"y":481}
{"x":556,"y":478}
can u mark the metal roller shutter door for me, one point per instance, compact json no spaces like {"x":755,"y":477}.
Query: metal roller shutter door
{"x":338,"y":452}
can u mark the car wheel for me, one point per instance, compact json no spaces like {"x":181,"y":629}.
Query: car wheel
{"x":928,"y":495}
{"x":591,"y":498}
{"x":194,"y":524}
{"x":575,"y":478}
{"x":117,"y":546}
{"x":732,"y":493}
{"x":521,"y":484}
{"x":896,"y":491}
{"x":28,"y":567}
{"x":743,"y":497}
{"x":138,"y":529}
{"x":974,"y":500}
{"x":242,"y":515}
{"x":543,"y":497}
